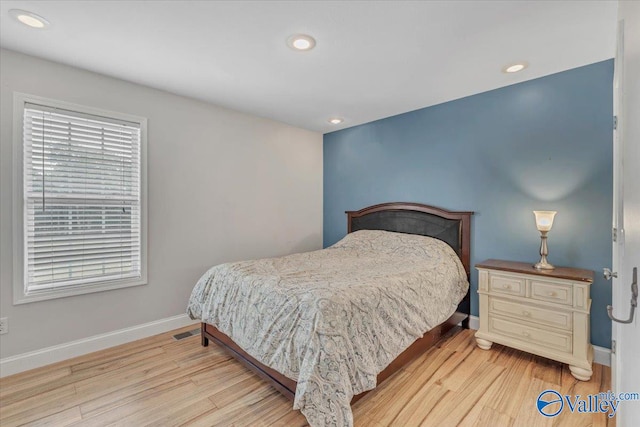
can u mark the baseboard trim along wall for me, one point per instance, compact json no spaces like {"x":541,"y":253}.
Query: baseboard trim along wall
{"x":474,"y":322}
{"x":46,"y":356}
{"x":601,"y":355}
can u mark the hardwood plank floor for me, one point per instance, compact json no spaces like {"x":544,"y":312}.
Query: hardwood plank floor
{"x":159,"y":381}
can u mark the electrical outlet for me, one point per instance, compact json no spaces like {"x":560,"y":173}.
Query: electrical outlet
{"x":4,"y":325}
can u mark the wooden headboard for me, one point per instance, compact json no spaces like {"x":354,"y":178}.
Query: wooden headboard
{"x":454,"y":228}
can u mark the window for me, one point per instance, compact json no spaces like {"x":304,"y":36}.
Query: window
{"x":83,"y":199}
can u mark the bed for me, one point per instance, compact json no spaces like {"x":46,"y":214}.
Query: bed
{"x":325,"y":327}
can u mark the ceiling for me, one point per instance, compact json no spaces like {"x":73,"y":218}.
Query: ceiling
{"x":373,"y":59}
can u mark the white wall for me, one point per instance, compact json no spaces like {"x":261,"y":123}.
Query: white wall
{"x":223,"y":186}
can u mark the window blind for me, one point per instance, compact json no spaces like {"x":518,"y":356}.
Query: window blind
{"x":82,"y":194}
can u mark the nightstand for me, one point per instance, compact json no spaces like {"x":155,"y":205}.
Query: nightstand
{"x":543,"y":312}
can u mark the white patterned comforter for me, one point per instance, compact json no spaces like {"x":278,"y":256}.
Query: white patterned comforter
{"x":333,"y":319}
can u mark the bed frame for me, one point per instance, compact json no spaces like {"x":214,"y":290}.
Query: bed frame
{"x":453,"y":228}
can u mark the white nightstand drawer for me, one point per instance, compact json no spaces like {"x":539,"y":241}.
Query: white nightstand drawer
{"x":551,"y":292}
{"x":553,"y":340}
{"x":529,"y":313}
{"x":508,"y":285}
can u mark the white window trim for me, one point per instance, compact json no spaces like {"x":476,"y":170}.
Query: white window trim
{"x":20,"y":296}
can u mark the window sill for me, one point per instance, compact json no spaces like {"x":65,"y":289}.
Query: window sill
{"x":43,"y":295}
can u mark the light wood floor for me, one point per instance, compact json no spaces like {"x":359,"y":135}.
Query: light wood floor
{"x":162,"y":382}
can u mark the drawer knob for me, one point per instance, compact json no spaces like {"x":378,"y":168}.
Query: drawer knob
{"x":526,"y":334}
{"x":506,"y":286}
{"x":526,"y":313}
{"x":552,"y":294}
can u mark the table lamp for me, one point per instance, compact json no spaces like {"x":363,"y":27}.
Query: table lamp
{"x":544,"y":222}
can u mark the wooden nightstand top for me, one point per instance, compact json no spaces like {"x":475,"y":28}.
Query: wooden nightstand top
{"x":567,"y":273}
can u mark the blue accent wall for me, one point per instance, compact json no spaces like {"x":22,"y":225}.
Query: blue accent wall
{"x":544,"y":144}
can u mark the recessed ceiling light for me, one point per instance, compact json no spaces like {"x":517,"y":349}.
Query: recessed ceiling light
{"x":301,"y":42}
{"x":514,"y":68}
{"x":335,"y":120}
{"x":30,"y":19}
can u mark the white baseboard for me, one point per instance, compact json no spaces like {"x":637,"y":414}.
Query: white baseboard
{"x":46,"y":356}
{"x":474,"y":322}
{"x":601,"y":355}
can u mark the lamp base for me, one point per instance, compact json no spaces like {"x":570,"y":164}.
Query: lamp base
{"x":544,"y":251}
{"x":543,"y":265}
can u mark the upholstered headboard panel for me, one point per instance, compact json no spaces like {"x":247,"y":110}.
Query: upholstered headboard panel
{"x":413,"y":222}
{"x":413,"y":218}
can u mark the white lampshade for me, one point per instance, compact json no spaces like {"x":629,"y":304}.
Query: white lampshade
{"x":544,"y":219}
